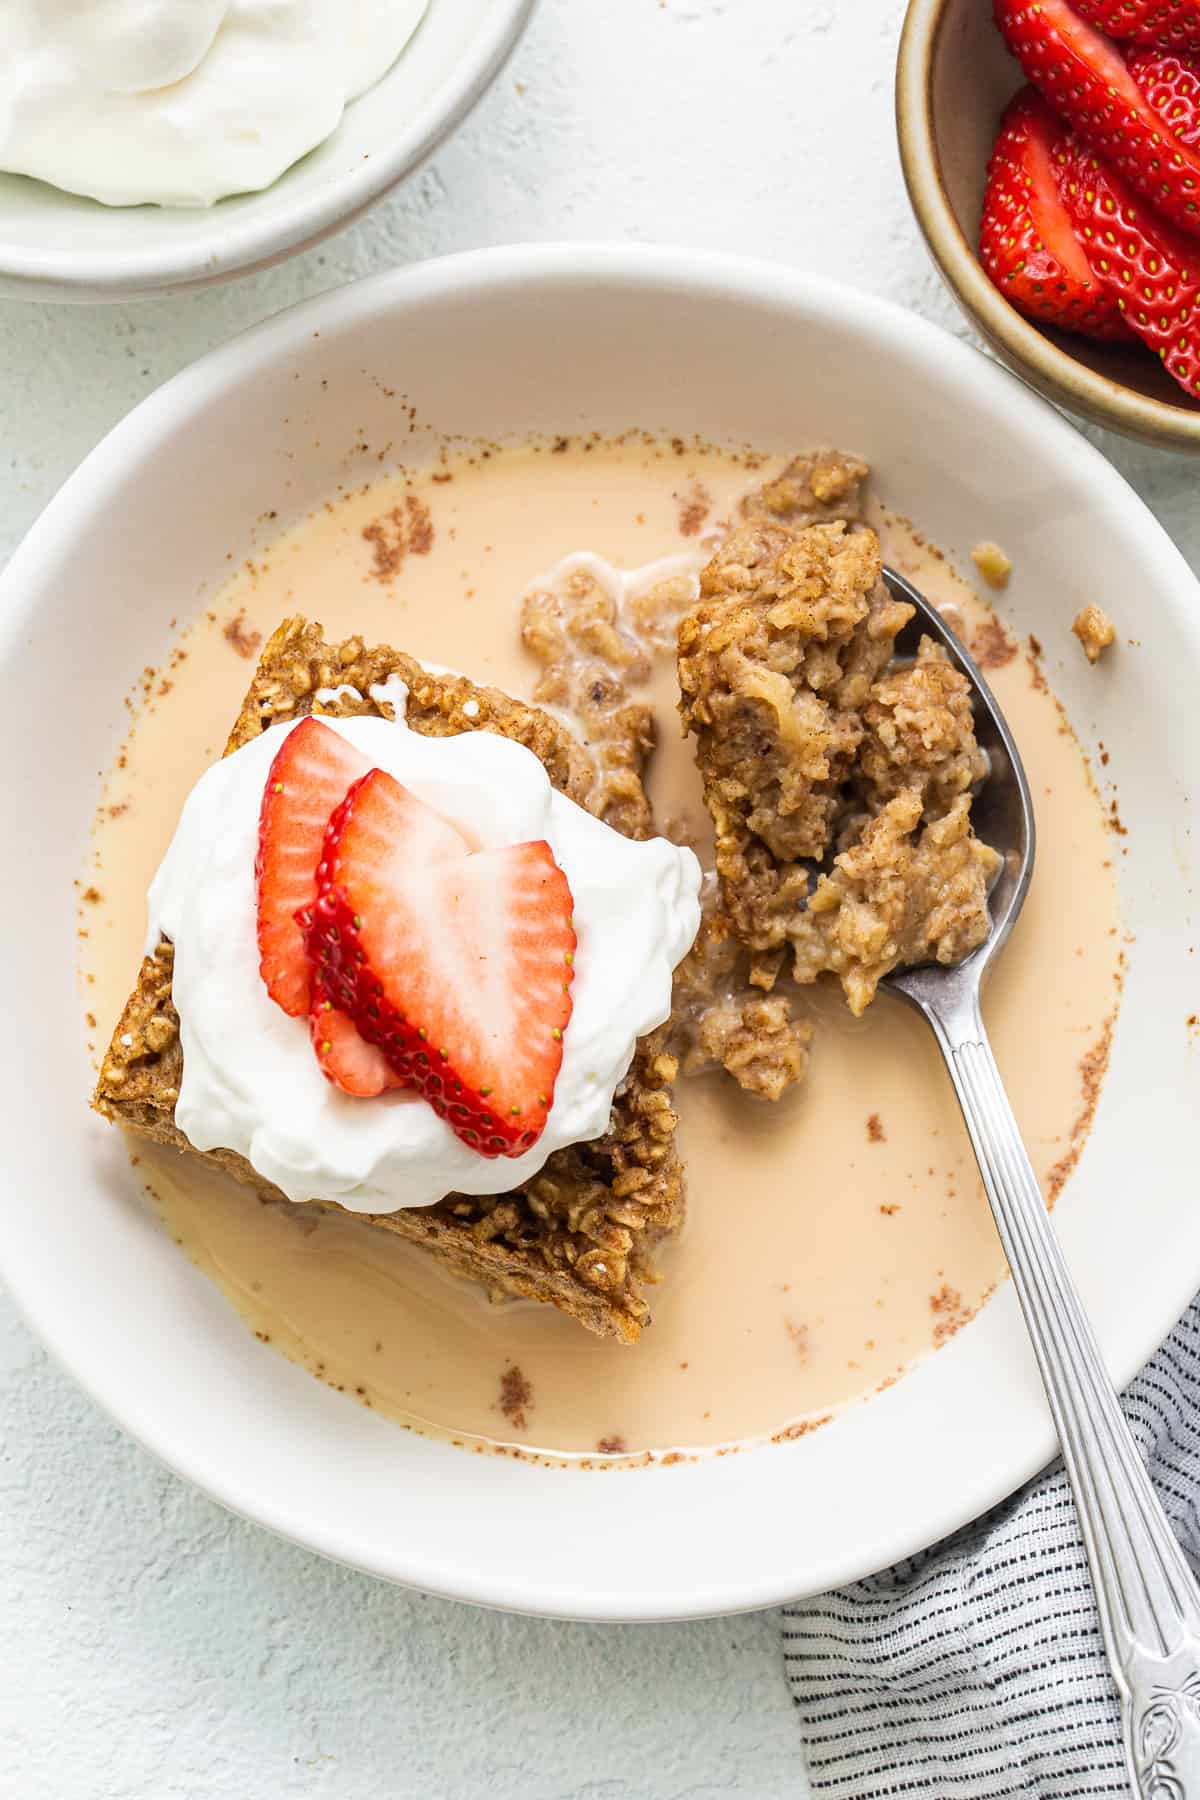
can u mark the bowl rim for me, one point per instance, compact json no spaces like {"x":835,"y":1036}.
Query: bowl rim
{"x":1057,"y":374}
{"x":218,"y":375}
{"x":226,"y":252}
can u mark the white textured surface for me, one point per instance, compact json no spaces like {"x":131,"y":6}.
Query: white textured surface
{"x":151,"y":1646}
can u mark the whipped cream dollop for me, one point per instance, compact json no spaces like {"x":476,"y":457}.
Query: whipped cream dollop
{"x":181,"y":102}
{"x":250,"y":1080}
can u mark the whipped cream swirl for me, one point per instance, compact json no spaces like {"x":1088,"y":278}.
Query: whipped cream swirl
{"x":250,"y":1080}
{"x":182,"y":102}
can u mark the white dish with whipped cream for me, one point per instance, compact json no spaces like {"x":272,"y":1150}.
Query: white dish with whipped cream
{"x":145,"y":102}
{"x":251,"y":1083}
{"x":319,"y":107}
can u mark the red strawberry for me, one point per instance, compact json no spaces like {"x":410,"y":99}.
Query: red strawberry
{"x":1151,"y":269}
{"x":345,"y":1057}
{"x":311,"y":772}
{"x":459,"y":969}
{"x":349,"y":1061}
{"x":1174,"y":22}
{"x":1085,"y":78}
{"x":1027,"y":242}
{"x":1171,"y":84}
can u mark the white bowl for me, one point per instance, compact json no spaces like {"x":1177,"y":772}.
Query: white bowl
{"x":56,"y":246}
{"x":558,"y":339}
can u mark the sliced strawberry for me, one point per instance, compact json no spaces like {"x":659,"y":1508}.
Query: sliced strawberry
{"x":1027,"y":240}
{"x":1170,"y":82}
{"x":393,"y":829}
{"x":345,"y":1057}
{"x":1173,"y":22}
{"x":460,"y":969}
{"x":312,"y":770}
{"x":1087,"y":81}
{"x":1152,"y":270}
{"x":414,"y":831}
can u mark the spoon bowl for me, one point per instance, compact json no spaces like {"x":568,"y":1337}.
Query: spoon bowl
{"x":1002,"y":812}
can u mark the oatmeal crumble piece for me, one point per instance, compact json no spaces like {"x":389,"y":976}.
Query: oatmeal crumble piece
{"x":814,"y":489}
{"x":920,"y":734}
{"x":992,"y":563}
{"x":655,"y":613}
{"x":839,"y":789}
{"x":723,"y":1018}
{"x":588,"y":661}
{"x":903,"y":894}
{"x":776,"y":662}
{"x":1095,"y":631}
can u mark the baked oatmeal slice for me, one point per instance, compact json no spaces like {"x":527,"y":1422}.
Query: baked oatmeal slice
{"x":581,"y":1233}
{"x":776,"y":662}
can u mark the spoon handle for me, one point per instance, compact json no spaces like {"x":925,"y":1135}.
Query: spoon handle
{"x":1148,"y":1599}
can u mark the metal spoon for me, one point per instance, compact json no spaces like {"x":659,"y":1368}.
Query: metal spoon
{"x":1148,"y":1600}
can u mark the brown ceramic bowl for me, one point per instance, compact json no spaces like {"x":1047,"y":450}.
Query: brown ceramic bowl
{"x":953,"y":79}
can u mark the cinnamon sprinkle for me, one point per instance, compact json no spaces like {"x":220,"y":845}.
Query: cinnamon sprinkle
{"x":1093,"y":1066}
{"x":516,"y":1397}
{"x":396,"y":534}
{"x":388,"y":542}
{"x":950,"y":1315}
{"x":800,"y":1429}
{"x":239,"y":638}
{"x":420,"y":526}
{"x":694,"y":508}
{"x":991,"y":646}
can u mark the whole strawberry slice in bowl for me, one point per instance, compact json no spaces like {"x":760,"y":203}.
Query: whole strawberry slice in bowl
{"x":459,"y":969}
{"x":1090,"y":85}
{"x":1027,"y":242}
{"x":1170,"y":82}
{"x":1150,"y":269}
{"x":1173,"y":22}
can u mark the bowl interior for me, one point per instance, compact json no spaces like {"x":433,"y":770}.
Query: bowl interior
{"x":58,"y":244}
{"x":971,"y":78}
{"x":505,"y":343}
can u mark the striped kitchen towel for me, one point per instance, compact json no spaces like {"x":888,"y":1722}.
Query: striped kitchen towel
{"x":977,"y":1668}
